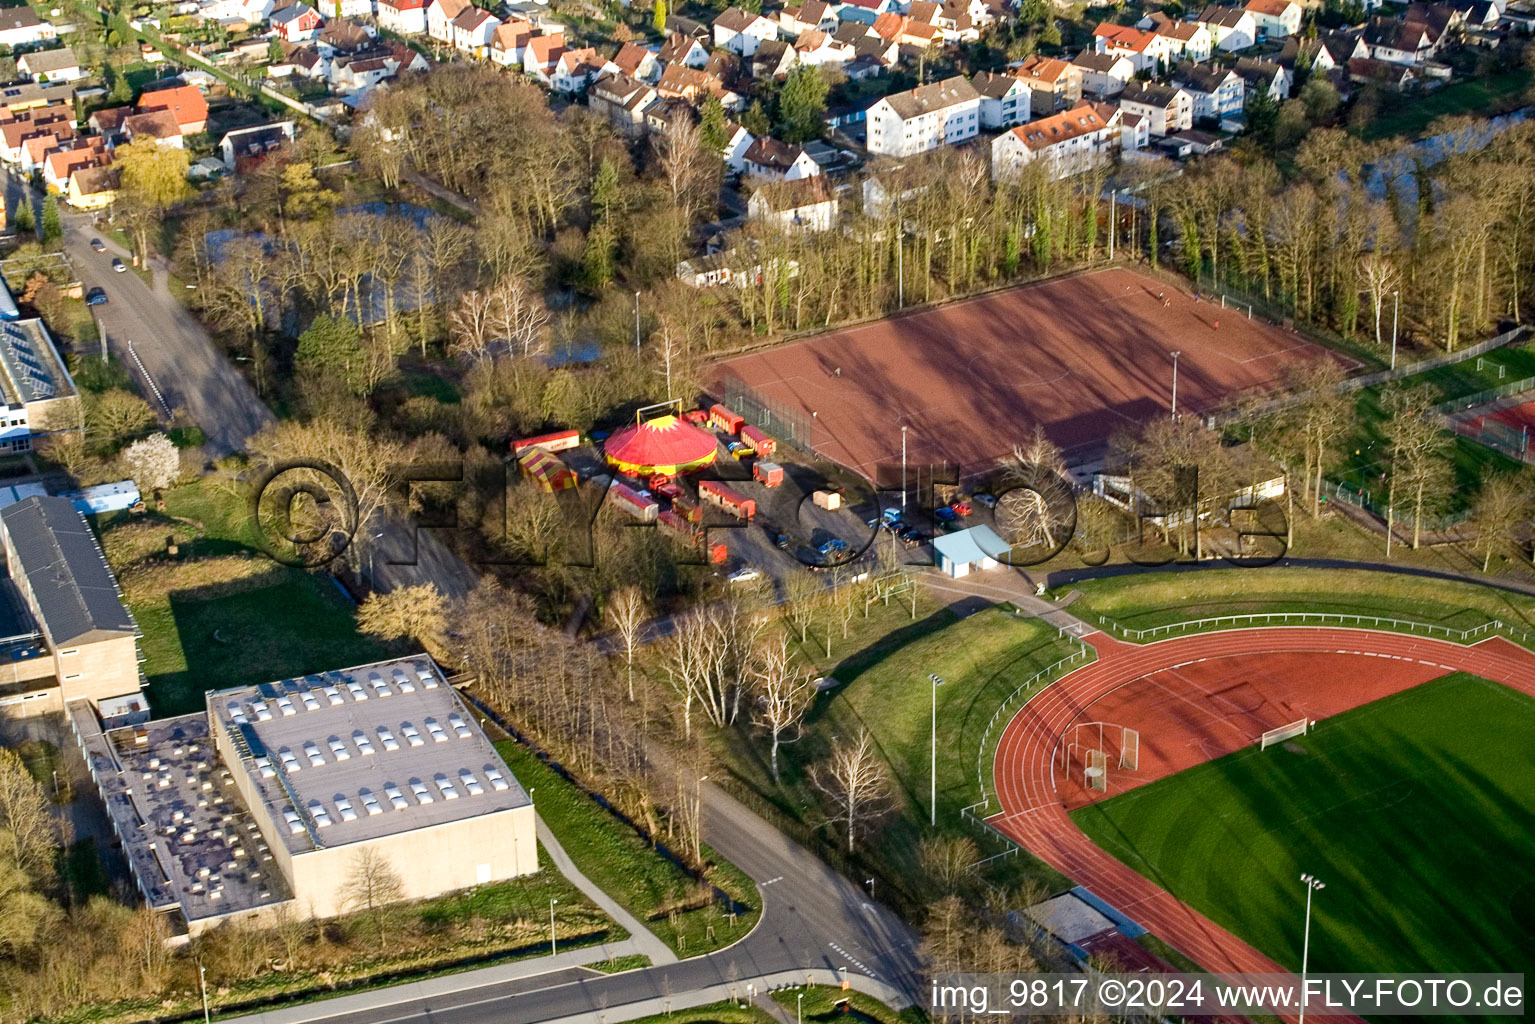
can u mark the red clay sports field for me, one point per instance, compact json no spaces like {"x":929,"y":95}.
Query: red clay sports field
{"x":1085,"y":356}
{"x":1193,"y":699}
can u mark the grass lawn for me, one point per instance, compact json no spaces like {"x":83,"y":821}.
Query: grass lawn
{"x":882,"y":673}
{"x":1412,"y":810}
{"x":221,"y":614}
{"x":46,"y":765}
{"x":1154,"y":599}
{"x":1412,"y":114}
{"x":623,"y":865}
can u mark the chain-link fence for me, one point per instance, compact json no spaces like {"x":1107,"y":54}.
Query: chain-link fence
{"x":792,"y":426}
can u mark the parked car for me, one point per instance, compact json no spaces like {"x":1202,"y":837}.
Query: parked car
{"x":745,"y":575}
{"x":911,"y":536}
{"x":962,"y":507}
{"x":96,"y":297}
{"x":98,"y":245}
{"x":118,"y":265}
{"x":781,"y":542}
{"x":834,"y":546}
{"x":893,"y":525}
{"x":986,"y":500}
{"x":946,"y":514}
{"x":891,"y":515}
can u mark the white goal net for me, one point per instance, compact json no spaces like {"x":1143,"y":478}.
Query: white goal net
{"x":1284,"y":732}
{"x":1096,"y":774}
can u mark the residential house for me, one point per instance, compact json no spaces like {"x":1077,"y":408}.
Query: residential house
{"x":818,"y":48}
{"x":1230,"y":28}
{"x":185,"y":102}
{"x":771,"y":160}
{"x":93,"y":188}
{"x":35,"y":150}
{"x":107,"y":122}
{"x":1186,"y":40}
{"x":540,"y":54}
{"x":622,"y":99}
{"x":669,"y":110}
{"x":1054,"y":84}
{"x":637,"y":62}
{"x":52,"y":122}
{"x":1104,"y":75}
{"x":812,"y":15}
{"x":1146,"y":50}
{"x":940,"y":114}
{"x":1004,"y":99}
{"x":61,"y":164}
{"x":738,"y":141}
{"x":1166,"y":108}
{"x":157,"y":126}
{"x":439,"y":18}
{"x":805,"y":204}
{"x":742,"y":31}
{"x":1275,"y":19}
{"x":1326,"y":51}
{"x":1133,"y":136}
{"x":351,"y":8}
{"x":956,"y":23}
{"x":1185,"y":144}
{"x":297,"y":23}
{"x":20,"y":26}
{"x":403,"y":17}
{"x":244,"y":147}
{"x":693,"y":86}
{"x":355,"y":72}
{"x":574,"y":70}
{"x":1260,"y":75}
{"x":773,"y":59}
{"x":1415,"y":37}
{"x":863,"y":66}
{"x":58,"y":65}
{"x":343,"y":35}
{"x":1392,"y":75}
{"x":684,"y":50}
{"x":509,"y":41}
{"x":19,"y":96}
{"x":1068,"y":142}
{"x":679,"y":25}
{"x":1215,"y":91}
{"x":472,"y":31}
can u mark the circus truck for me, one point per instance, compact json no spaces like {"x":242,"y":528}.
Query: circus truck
{"x":713,"y":492}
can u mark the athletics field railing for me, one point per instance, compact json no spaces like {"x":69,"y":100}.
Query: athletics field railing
{"x":1343,"y":619}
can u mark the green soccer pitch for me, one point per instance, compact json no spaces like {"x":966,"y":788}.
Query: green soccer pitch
{"x":1417,"y":811}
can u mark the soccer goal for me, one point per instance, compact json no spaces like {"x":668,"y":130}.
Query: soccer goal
{"x":1095,"y":776}
{"x":1284,"y":732}
{"x":1130,"y":750}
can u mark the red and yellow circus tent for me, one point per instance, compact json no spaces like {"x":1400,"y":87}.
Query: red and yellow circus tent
{"x":666,"y":445}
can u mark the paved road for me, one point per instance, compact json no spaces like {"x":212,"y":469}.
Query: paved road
{"x":172,"y":348}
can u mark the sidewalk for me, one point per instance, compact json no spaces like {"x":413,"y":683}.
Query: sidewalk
{"x":644,"y":940}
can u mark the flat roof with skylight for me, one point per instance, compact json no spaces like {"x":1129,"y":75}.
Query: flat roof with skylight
{"x":355,"y":755}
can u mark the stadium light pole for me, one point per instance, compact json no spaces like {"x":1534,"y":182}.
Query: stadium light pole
{"x":202,"y":981}
{"x":1396,"y":307}
{"x":636,"y":320}
{"x":933,"y":793}
{"x":903,"y":469}
{"x":1176,"y":354}
{"x":1312,"y":885}
{"x":551,"y":924}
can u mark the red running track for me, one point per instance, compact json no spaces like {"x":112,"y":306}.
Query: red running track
{"x":1027,"y":766}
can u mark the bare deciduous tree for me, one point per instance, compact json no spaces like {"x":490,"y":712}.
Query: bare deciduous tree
{"x":626,"y":611}
{"x":371,"y":885}
{"x":858,"y":784}
{"x":784,"y":694}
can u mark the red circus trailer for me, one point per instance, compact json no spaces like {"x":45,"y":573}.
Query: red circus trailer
{"x":716,"y":493}
{"x":634,"y":503}
{"x":697,"y":417}
{"x":760,"y":443}
{"x":723,"y":419}
{"x":693,"y":536}
{"x":559,"y":441}
{"x":770,"y":473}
